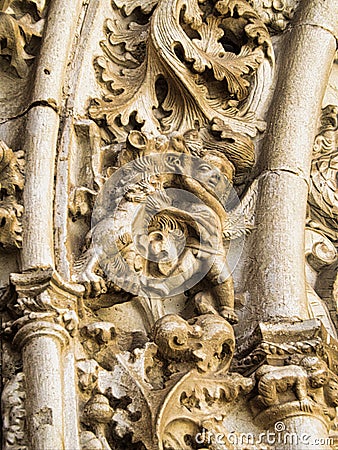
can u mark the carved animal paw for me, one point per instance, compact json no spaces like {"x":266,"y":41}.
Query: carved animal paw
{"x":229,"y":314}
{"x":203,"y":305}
{"x":94,"y":284}
{"x":306,"y":405}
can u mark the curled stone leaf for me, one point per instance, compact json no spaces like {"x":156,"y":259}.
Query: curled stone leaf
{"x":180,"y":64}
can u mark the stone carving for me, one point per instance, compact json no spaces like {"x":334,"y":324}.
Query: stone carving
{"x":159,"y":393}
{"x":321,"y":231}
{"x":321,"y":253}
{"x":11,"y":185}
{"x":173,"y":66}
{"x":311,"y":385}
{"x":87,"y":371}
{"x":13,"y":414}
{"x":150,"y":241}
{"x":206,"y":341}
{"x":276,"y":14}
{"x":311,"y":373}
{"x":21,"y":23}
{"x":182,"y":82}
{"x":151,"y":169}
{"x":323,"y":198}
{"x":270,"y":345}
{"x":191,"y":91}
{"x":98,"y":414}
{"x":41,"y":294}
{"x":197,"y":404}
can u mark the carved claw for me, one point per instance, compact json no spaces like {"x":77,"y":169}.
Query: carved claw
{"x":305,"y":405}
{"x":94,"y":286}
{"x":229,"y":314}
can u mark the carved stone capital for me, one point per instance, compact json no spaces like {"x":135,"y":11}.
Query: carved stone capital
{"x":303,"y":387}
{"x":41,"y":296}
{"x":274,"y":343}
{"x":38,"y":329}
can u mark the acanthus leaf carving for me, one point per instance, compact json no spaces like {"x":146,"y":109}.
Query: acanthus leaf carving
{"x":150,"y":395}
{"x":19,"y":24}
{"x":14,"y":414}
{"x":41,"y":294}
{"x":11,"y":186}
{"x":190,"y":74}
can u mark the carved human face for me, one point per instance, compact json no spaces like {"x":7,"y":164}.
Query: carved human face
{"x":214,"y":173}
{"x":162,"y":246}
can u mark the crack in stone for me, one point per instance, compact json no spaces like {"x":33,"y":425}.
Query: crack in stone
{"x":314,"y":25}
{"x":277,"y":171}
{"x":50,"y":103}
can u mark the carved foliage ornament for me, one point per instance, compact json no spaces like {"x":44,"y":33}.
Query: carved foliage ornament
{"x":21,"y":25}
{"x":176,"y":65}
{"x":165,"y":393}
{"x":276,"y":14}
{"x":323,"y":196}
{"x":13,"y":413}
{"x":11,"y":186}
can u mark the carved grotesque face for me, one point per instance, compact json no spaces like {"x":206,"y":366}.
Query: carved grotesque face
{"x":317,"y":372}
{"x":331,"y":392}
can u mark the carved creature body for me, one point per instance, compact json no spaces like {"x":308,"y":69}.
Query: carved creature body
{"x":116,"y":248}
{"x":211,"y":87}
{"x":110,"y":238}
{"x":275,"y":380}
{"x":305,"y":380}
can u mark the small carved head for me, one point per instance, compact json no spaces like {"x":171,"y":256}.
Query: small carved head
{"x":317,"y":371}
{"x":331,"y":392}
{"x":214,"y":171}
{"x":87,"y":374}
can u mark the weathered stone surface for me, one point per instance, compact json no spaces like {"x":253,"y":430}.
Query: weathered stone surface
{"x":168,"y":224}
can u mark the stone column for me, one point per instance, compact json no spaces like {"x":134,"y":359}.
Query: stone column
{"x":42,"y":344}
{"x":278,"y":276}
{"x":42,"y":132}
{"x":289,"y":428}
{"x":44,"y":299}
{"x":47,"y":322}
{"x":277,"y":285}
